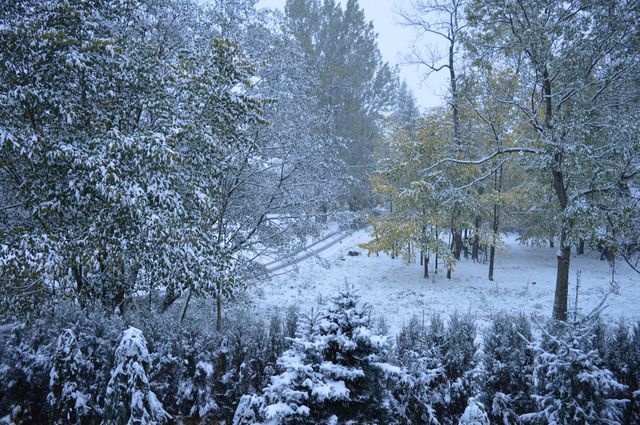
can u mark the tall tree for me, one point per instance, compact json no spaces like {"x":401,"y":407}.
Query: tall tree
{"x":118,"y":124}
{"x":576,"y":65}
{"x":444,"y":19}
{"x":355,"y":85}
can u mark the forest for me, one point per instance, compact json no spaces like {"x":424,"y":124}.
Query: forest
{"x":213,"y":211}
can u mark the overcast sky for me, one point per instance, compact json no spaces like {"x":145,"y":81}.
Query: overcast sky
{"x":395,"y":41}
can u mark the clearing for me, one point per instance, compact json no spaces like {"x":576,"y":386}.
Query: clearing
{"x":397,"y":291}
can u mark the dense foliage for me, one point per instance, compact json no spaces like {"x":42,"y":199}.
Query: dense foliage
{"x":84,"y":366}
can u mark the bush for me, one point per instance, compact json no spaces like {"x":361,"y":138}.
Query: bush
{"x":129,"y":397}
{"x":333,"y":370}
{"x":623,"y":359}
{"x":508,"y":363}
{"x":573,"y":385}
{"x":68,"y":402}
{"x":69,"y":365}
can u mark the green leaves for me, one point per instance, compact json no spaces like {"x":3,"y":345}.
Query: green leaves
{"x":121,"y":126}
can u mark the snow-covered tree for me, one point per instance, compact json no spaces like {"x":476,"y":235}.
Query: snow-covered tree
{"x":576,"y":73}
{"x":406,"y":111}
{"x":354,"y":354}
{"x":205,"y":407}
{"x":623,"y":359}
{"x":474,"y":414}
{"x":129,"y":398}
{"x":118,"y":124}
{"x":572,"y":384}
{"x":68,"y":401}
{"x":420,"y":211}
{"x":248,"y":410}
{"x":295,"y":395}
{"x":459,"y":360}
{"x":415,"y":393}
{"x":355,"y":86}
{"x":508,"y":369}
{"x":334,"y":370}
{"x":439,"y":370}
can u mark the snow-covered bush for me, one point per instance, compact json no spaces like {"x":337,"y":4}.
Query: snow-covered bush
{"x":474,"y":414}
{"x":193,"y":370}
{"x":508,"y":369}
{"x":417,"y":352}
{"x":205,"y":407}
{"x":334,"y":370}
{"x":25,"y":362}
{"x":459,"y":362}
{"x":410,"y":340}
{"x":293,"y":396}
{"x":623,"y":359}
{"x":354,"y":354}
{"x":129,"y":398}
{"x":440,"y":365}
{"x":248,"y":411}
{"x":68,"y":401}
{"x":572,"y":384}
{"x":201,"y":374}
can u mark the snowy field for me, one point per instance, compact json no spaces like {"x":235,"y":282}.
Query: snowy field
{"x":397,"y":290}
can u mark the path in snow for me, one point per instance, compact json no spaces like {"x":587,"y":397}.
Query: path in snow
{"x":306,"y":253}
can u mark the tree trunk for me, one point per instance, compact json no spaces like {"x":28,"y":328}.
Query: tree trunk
{"x":564,"y":249}
{"x":492,"y":256}
{"x":457,"y":243}
{"x":465,"y":244}
{"x":169,"y":298}
{"x":186,"y":306}
{"x":496,"y":223}
{"x":219,"y":307}
{"x":475,"y":250}
{"x":580,"y":250}
{"x":76,"y":270}
{"x":435,"y":270}
{"x":562,"y":279}
{"x":426,"y":267}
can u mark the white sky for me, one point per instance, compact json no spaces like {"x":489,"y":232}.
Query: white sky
{"x":395,"y":41}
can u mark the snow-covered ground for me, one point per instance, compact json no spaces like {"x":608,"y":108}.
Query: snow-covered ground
{"x":397,"y":290}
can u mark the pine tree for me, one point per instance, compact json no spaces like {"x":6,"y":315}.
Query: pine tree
{"x":334,"y":370}
{"x":355,"y":85}
{"x":415,"y":392}
{"x":295,"y":395}
{"x":68,"y":402}
{"x":623,"y":359}
{"x":459,"y":362}
{"x":248,"y":410}
{"x":205,"y":407}
{"x":508,"y":369}
{"x":572,"y":384}
{"x":129,"y":399}
{"x":474,"y":414}
{"x":353,"y":354}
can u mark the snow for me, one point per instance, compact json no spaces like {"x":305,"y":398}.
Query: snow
{"x":388,"y":369}
{"x":474,"y":414}
{"x":524,"y":282}
{"x":336,"y":390}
